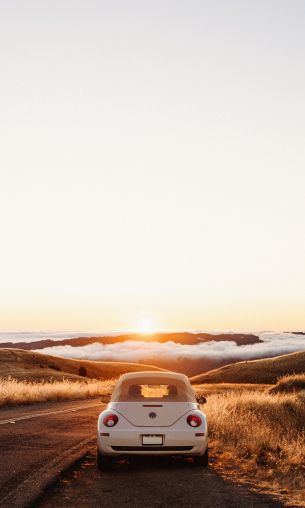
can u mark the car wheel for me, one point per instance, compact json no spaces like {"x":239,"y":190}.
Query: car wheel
{"x":104,"y":462}
{"x":202,"y":460}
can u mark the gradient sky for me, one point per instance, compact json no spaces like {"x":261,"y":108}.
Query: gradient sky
{"x":152,"y":164}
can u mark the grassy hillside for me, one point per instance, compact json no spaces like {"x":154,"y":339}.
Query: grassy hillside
{"x":267,"y":370}
{"x":28,"y":365}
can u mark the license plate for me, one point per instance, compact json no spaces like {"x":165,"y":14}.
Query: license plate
{"x":152,"y":439}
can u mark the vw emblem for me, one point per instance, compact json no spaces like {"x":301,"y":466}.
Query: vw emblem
{"x":152,"y":415}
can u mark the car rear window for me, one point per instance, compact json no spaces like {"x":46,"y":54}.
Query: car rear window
{"x":156,"y":391}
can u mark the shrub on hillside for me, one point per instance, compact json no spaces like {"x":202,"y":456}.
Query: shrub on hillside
{"x":289,"y":384}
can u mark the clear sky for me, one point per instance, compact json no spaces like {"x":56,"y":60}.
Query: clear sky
{"x":152,"y":164}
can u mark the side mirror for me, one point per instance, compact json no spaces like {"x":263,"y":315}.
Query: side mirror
{"x":201,"y":399}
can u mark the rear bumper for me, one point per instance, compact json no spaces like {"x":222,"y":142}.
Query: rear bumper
{"x":129,"y":442}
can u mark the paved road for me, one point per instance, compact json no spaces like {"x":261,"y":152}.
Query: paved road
{"x":148,"y":483}
{"x":37,"y":440}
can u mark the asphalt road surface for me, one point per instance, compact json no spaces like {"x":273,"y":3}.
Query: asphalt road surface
{"x":147,"y":483}
{"x":38,"y":442}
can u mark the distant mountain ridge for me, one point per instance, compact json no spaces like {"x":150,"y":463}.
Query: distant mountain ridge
{"x":188,"y":338}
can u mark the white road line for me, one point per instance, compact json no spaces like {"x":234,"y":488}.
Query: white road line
{"x":27,"y":492}
{"x":37,"y":415}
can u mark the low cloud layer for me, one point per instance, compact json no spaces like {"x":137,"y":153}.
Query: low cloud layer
{"x":273,"y":344}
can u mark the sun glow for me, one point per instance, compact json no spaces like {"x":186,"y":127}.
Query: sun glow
{"x":145,"y":326}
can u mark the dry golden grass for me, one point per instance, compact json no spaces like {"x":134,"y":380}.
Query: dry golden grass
{"x":212,"y":388}
{"x":16,"y":391}
{"x":267,"y":370}
{"x":262,"y":435}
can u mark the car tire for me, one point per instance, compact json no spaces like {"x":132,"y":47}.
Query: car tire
{"x":104,"y":462}
{"x":202,"y":460}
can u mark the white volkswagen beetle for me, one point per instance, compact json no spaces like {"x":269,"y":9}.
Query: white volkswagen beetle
{"x":152,"y":413}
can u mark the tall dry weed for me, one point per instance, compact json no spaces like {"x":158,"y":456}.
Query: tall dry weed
{"x":262,"y":433}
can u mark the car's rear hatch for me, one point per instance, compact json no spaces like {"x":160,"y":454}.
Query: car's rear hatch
{"x":150,"y":414}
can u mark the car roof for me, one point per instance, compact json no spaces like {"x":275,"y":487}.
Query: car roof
{"x":153,"y":374}
{"x":180,"y":381}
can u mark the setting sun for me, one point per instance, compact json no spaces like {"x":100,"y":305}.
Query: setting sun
{"x":145,"y":325}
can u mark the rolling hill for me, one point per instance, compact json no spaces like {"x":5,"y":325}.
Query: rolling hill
{"x":21,"y":364}
{"x":266,"y":370}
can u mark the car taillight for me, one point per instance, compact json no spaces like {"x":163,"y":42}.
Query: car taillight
{"x":110,"y":420}
{"x":194,"y":420}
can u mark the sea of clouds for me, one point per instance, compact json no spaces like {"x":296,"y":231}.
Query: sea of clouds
{"x":274,"y":344}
